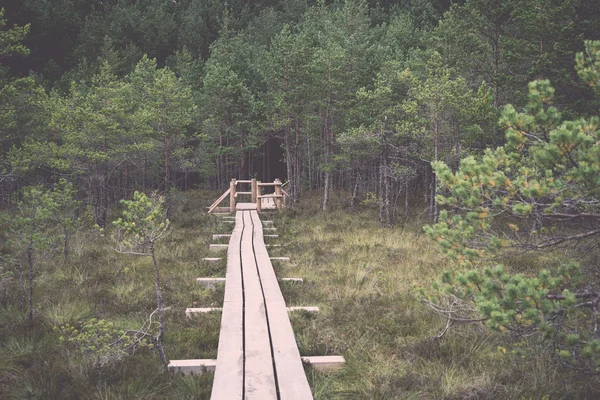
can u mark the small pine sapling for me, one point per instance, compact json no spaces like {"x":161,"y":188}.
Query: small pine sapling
{"x":65,"y":217}
{"x":101,"y":340}
{"x":538,"y":192}
{"x":143,"y":222}
{"x":31,"y":232}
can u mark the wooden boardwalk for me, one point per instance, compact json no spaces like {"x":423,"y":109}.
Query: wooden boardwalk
{"x":258,"y":357}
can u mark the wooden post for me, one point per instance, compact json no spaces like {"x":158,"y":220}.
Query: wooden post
{"x":278,"y":193}
{"x":258,"y":197}
{"x":253,"y":189}
{"x":232,"y":190}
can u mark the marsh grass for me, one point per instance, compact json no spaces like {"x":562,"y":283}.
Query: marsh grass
{"x":363,"y":278}
{"x":359,"y":274}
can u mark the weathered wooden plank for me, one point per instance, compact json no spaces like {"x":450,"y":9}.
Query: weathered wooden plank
{"x":191,"y":311}
{"x":280,"y":258}
{"x":260,"y":376}
{"x":292,"y":382}
{"x":271,"y":289}
{"x":228,"y":383}
{"x":218,"y":247}
{"x":325,"y":363}
{"x":211,"y":259}
{"x":218,"y":201}
{"x":195,"y":367}
{"x":245,"y":206}
{"x":210,"y":282}
{"x":290,"y":372}
{"x":302,"y":308}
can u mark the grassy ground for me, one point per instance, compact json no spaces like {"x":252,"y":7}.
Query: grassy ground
{"x":360,"y":275}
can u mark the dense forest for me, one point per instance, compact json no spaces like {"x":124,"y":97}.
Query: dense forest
{"x":477,"y":117}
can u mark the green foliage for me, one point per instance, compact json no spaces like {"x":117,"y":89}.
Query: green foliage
{"x":523,"y":195}
{"x":11,"y":39}
{"x":100,"y":339}
{"x":142,"y":222}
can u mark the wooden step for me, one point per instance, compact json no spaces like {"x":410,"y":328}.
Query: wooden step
{"x":191,"y":311}
{"x":200,"y":366}
{"x":218,"y":247}
{"x":199,"y":310}
{"x":271,"y":236}
{"x":307,"y":309}
{"x":211,"y":259}
{"x":325,"y":363}
{"x":196,"y":367}
{"x":210,"y":282}
{"x":280,"y":258}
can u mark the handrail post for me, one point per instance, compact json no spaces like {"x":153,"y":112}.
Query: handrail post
{"x":258,"y":197}
{"x":253,"y":189}
{"x":232,"y":190}
{"x":278,"y":193}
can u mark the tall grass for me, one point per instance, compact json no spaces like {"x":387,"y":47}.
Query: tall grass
{"x":362,"y":277}
{"x":359,"y":274}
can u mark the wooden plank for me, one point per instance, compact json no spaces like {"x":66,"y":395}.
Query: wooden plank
{"x":292,"y":382}
{"x":325,"y":363}
{"x":229,"y":378}
{"x":246,"y":206}
{"x":211,"y":259}
{"x":191,"y":311}
{"x":280,"y":258}
{"x":199,"y":310}
{"x":271,"y":289}
{"x":219,"y":200}
{"x":210,"y":282}
{"x":260,"y":376}
{"x":307,"y":309}
{"x":218,"y":247}
{"x":196,"y":367}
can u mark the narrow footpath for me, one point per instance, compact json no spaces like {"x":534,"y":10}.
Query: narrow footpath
{"x":257,"y":357}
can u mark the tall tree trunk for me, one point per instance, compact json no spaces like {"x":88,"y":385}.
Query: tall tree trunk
{"x":30,"y":263}
{"x":355,"y":190}
{"x":326,"y":190}
{"x":159,"y":306}
{"x":289,"y":163}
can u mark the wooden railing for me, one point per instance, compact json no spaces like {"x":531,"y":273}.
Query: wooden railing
{"x":256,"y":194}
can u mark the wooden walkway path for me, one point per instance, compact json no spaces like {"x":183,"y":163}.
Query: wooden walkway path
{"x":258,"y":357}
